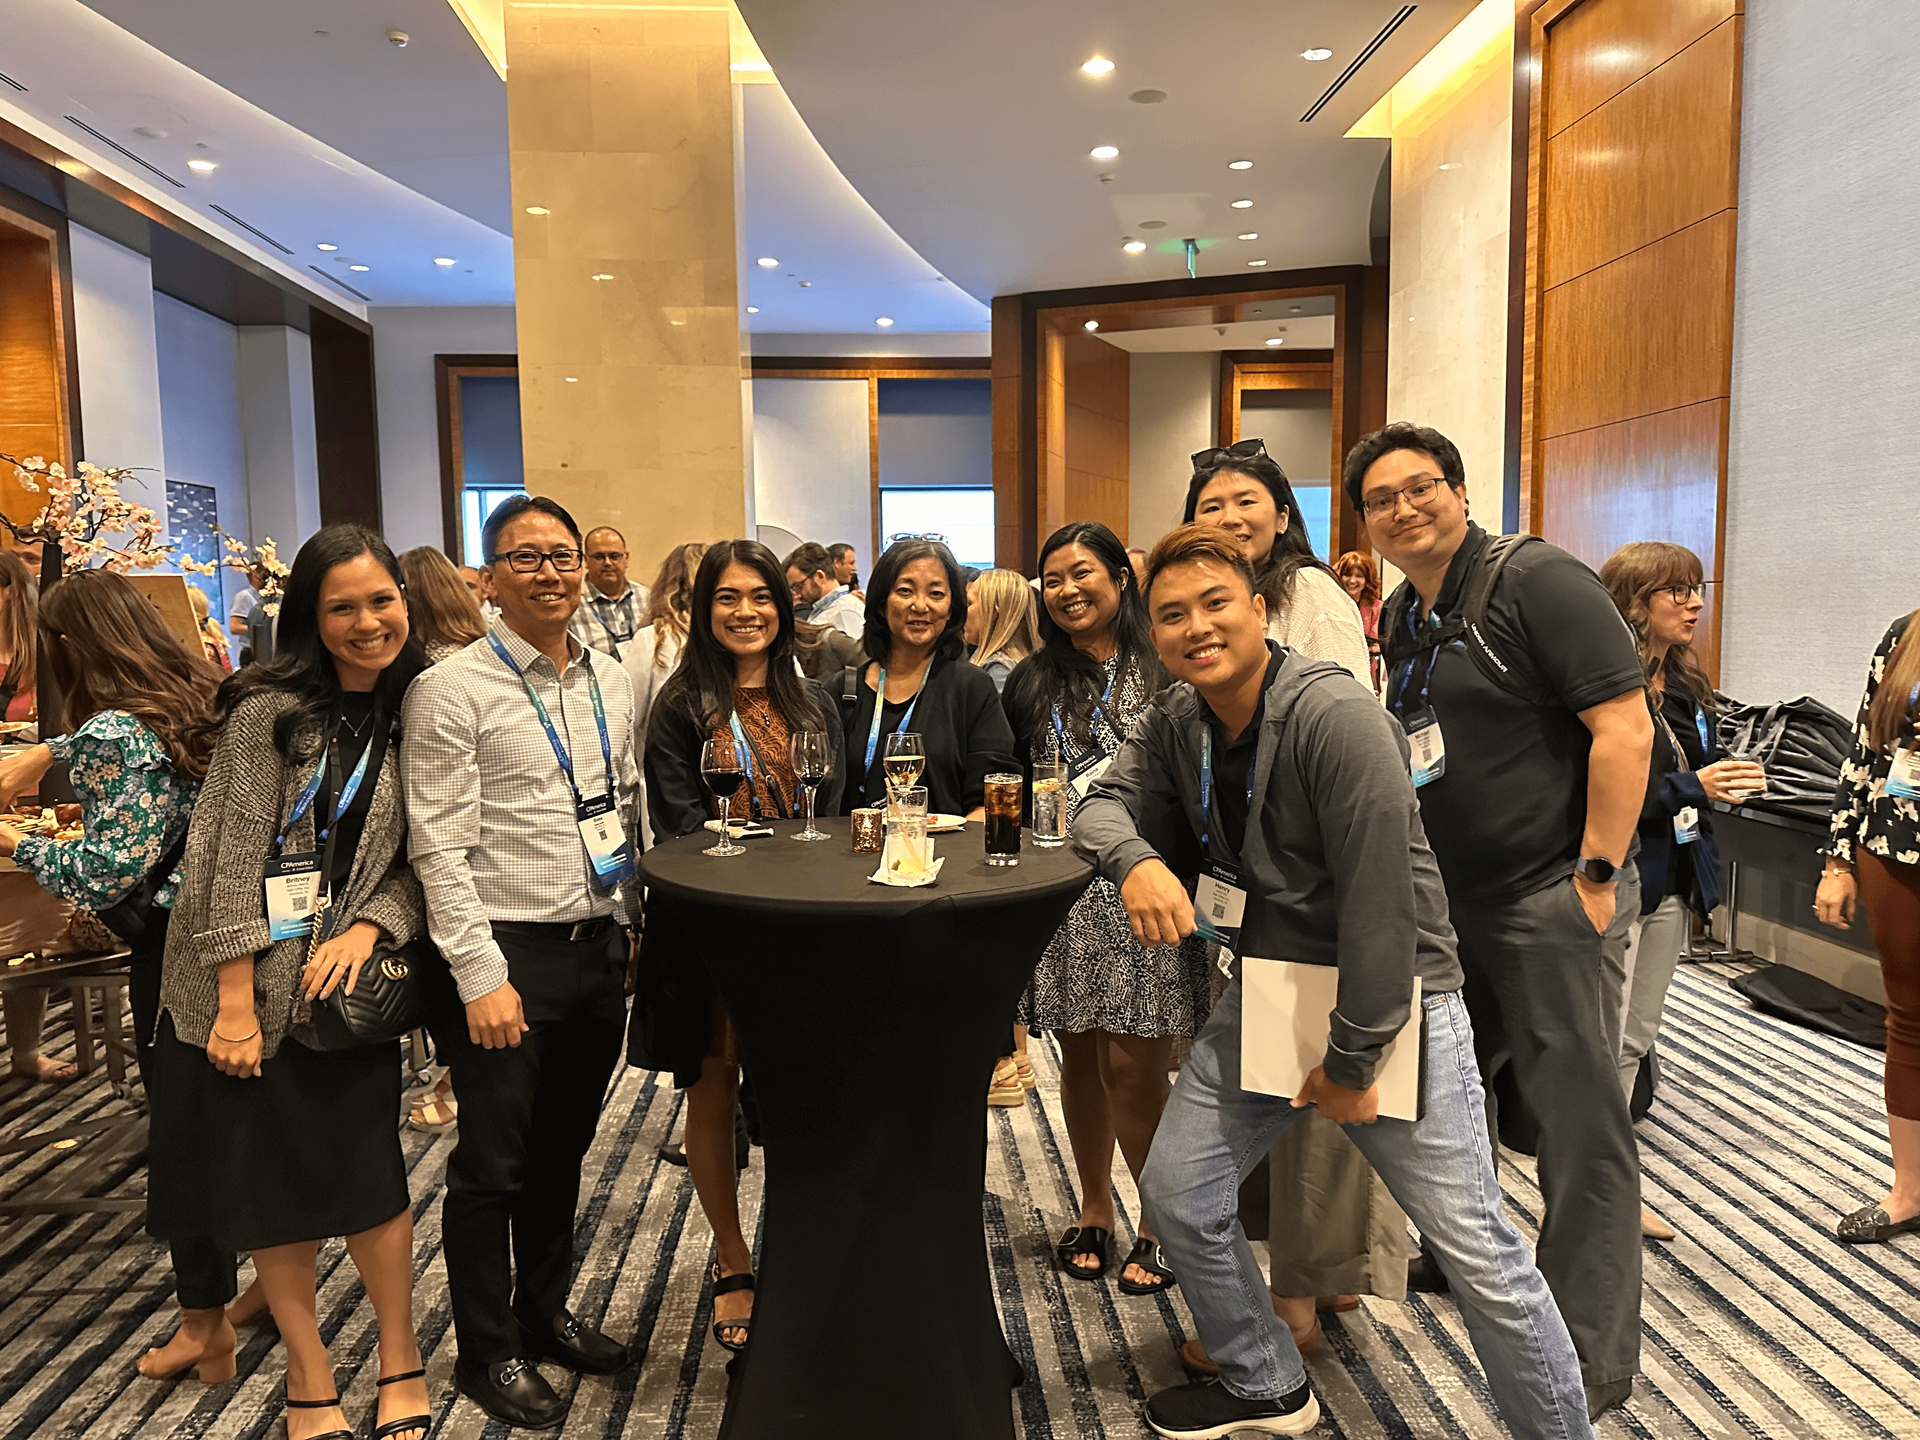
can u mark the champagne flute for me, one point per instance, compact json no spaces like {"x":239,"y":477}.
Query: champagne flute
{"x":811,"y":764}
{"x":720,"y":767}
{"x":905,"y":758}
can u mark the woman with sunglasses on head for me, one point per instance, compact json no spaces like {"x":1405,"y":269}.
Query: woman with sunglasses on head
{"x":1658,"y":590}
{"x":137,"y":754}
{"x":1335,"y":1231}
{"x":1114,"y":1004}
{"x":288,"y":1143}
{"x":918,"y":682}
{"x":736,"y":684}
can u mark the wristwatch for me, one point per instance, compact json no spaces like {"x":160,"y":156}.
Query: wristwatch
{"x":1596,"y":868}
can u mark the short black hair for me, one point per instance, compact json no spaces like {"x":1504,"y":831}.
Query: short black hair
{"x":1400,"y":435}
{"x":811,"y":559}
{"x":839,"y":548}
{"x":512,"y":509}
{"x":878,"y":638}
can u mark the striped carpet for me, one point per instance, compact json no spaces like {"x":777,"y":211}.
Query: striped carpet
{"x":1756,"y":1323}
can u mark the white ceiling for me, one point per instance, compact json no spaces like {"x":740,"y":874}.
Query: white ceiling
{"x":1295,"y":332}
{"x":968,"y":126}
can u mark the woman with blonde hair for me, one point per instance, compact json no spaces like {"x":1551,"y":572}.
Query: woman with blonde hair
{"x":211,"y":639}
{"x":1001,"y":623}
{"x":653,"y":653}
{"x":444,"y":615}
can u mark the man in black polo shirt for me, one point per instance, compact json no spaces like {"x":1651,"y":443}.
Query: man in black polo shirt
{"x":1530,"y":736}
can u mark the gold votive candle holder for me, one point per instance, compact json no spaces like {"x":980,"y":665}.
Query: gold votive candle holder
{"x":869,"y":828}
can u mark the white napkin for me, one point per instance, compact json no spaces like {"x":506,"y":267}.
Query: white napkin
{"x":902,"y":863}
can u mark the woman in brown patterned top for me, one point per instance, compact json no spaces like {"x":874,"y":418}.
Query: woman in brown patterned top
{"x":738,"y":668}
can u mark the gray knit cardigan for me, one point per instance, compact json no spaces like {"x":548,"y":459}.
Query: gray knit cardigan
{"x":221,"y":914}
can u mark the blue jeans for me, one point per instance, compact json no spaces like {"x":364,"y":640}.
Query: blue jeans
{"x":1441,"y":1171}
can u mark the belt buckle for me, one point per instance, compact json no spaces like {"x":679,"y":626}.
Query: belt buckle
{"x":585,"y":929}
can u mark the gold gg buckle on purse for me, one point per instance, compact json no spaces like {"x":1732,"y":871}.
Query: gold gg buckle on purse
{"x":394,"y":967}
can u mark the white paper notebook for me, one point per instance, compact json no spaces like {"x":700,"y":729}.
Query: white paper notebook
{"x":1284,"y":1009}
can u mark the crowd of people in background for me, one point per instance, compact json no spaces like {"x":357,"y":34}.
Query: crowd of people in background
{"x":1498,"y":778}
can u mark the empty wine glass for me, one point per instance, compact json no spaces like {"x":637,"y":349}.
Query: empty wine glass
{"x":811,"y":763}
{"x":720,"y":767}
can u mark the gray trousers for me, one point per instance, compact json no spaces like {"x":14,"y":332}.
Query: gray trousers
{"x":1544,"y":991}
{"x":1653,"y":954}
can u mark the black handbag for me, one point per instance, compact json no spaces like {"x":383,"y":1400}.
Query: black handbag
{"x":127,"y":917}
{"x":387,"y":1003}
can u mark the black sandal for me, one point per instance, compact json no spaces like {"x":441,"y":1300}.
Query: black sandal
{"x":293,"y":1404}
{"x":1146,"y":1255}
{"x":727,"y":1285}
{"x":1085,"y":1240}
{"x":422,"y":1423}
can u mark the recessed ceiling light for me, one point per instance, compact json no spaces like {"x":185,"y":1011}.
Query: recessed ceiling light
{"x":1153,"y":224}
{"x":1105,"y":152}
{"x":806,"y":284}
{"x":1450,"y":165}
{"x":1091,"y":325}
{"x":361,"y":269}
{"x":883,"y":321}
{"x":1293,"y":309}
{"x":1243,"y":204}
{"x":538,"y":210}
{"x":1276,"y":340}
{"x":1318,"y":52}
{"x":603,"y":276}
{"x":573,"y":379}
{"x":205,"y":167}
{"x":1098,"y":65}
{"x":443,"y":260}
{"x":1134,"y":247}
{"x":1249,"y":235}
{"x":753,"y":309}
{"x":1147,"y":97}
{"x":1240,"y":164}
{"x":324,"y":246}
{"x":1256,"y":263}
{"x":767,"y":262}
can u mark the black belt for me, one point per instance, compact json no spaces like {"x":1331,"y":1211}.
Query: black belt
{"x":568,"y":932}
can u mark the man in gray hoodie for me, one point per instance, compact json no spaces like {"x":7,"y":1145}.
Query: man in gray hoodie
{"x":1296,"y":782}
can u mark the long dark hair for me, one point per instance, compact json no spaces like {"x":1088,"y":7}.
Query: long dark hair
{"x":702,"y":686}
{"x":878,"y":636}
{"x":1061,"y":672}
{"x":107,"y":648}
{"x":301,"y":665}
{"x":21,"y":621}
{"x":1292,"y":547}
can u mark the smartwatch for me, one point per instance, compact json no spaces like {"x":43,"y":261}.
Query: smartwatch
{"x":1596,"y":868}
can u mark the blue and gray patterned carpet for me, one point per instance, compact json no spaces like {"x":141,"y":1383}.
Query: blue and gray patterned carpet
{"x":1756,"y":1323}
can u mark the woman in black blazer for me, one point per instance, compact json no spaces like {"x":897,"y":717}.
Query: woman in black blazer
{"x":916,"y":611}
{"x":737,"y":669}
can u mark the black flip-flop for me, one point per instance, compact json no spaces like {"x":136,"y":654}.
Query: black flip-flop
{"x":1146,"y":1255}
{"x":1085,"y":1240}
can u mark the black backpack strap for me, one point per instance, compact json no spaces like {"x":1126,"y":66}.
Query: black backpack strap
{"x":1512,"y":671}
{"x":850,"y":687}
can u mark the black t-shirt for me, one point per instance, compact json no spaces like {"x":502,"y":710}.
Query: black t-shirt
{"x":1232,"y":768}
{"x":1506,"y":818}
{"x":352,"y":734}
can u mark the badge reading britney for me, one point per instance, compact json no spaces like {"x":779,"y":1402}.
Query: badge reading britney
{"x":293,"y":894}
{"x":1219,"y":905}
{"x":1428,"y":761}
{"x":1087,"y":769}
{"x":606,"y":840}
{"x":1903,"y":777}
{"x":1686,"y":825}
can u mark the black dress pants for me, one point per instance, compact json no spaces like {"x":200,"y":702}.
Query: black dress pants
{"x":527,"y":1116}
{"x":204,"y":1275}
{"x":1539,"y":994}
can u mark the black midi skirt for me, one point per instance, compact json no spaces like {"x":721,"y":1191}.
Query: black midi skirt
{"x":307,"y":1150}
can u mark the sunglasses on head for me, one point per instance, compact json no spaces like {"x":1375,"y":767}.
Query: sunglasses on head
{"x":1240,"y":450}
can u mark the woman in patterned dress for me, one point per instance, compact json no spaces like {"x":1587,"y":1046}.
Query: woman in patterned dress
{"x":1873,"y":855}
{"x":1114,"y":1004}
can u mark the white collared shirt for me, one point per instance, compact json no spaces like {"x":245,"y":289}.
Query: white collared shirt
{"x":839,"y":609}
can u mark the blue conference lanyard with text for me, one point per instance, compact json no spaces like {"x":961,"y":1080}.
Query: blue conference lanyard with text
{"x":1219,"y":900}
{"x":1903,"y":776}
{"x":1427,"y":747}
{"x":293,"y":882}
{"x":600,"y":828}
{"x":880,"y":703}
{"x":1089,"y":767}
{"x":744,"y":751}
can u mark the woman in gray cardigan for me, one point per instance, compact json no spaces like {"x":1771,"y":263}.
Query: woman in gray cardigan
{"x":277,"y":1145}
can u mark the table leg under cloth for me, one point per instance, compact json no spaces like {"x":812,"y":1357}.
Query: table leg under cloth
{"x":873,"y":1225}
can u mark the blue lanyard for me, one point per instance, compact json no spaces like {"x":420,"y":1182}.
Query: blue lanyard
{"x":546,"y":721}
{"x":1093,"y":721}
{"x":1206,"y":787}
{"x":1406,"y":672}
{"x":623,"y":604}
{"x":1706,"y":735}
{"x":880,"y":703}
{"x":305,"y":802}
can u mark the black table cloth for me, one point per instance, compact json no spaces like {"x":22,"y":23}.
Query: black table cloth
{"x":875,"y":1311}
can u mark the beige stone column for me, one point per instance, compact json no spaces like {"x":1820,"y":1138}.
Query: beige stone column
{"x":622,"y":129}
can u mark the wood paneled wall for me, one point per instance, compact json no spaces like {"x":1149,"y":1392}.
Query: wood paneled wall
{"x":34,"y":414}
{"x":1096,"y":413}
{"x":1632,"y":188}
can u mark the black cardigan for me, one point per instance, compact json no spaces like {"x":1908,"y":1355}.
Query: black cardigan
{"x":677,"y":796}
{"x":965,"y":730}
{"x":1695,"y":875}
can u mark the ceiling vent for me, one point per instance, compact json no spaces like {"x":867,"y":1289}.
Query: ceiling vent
{"x":9,"y":80}
{"x":251,"y":230}
{"x":115,"y":145}
{"x":1372,"y":49}
{"x":335,"y":280}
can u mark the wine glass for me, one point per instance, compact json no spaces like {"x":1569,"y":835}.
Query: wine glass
{"x":811,"y":764}
{"x":905,"y":758}
{"x":720,"y":767}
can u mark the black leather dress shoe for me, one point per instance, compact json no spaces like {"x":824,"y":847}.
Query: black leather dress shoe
{"x":512,"y":1392}
{"x":581,"y":1348}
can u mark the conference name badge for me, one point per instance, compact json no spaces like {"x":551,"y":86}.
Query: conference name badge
{"x":1219,"y":905}
{"x":1903,"y":779}
{"x":292,"y":885}
{"x":1686,"y":825}
{"x":606,"y":840}
{"x":1087,"y":769}
{"x":1427,"y":760}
